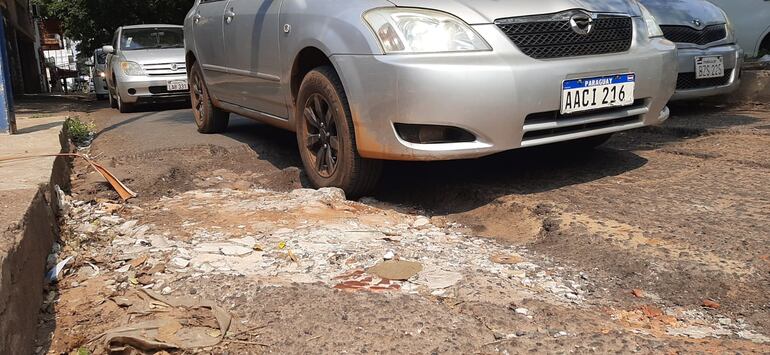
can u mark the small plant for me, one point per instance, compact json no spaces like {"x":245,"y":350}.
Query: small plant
{"x":81,"y":133}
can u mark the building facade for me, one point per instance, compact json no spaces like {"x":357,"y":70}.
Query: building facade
{"x":23,"y":47}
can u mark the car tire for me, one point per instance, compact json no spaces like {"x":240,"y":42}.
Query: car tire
{"x":113,"y":102}
{"x":208,"y":117}
{"x":321,"y":95}
{"x":124,"y":107}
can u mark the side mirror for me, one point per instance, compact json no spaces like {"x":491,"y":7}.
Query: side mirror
{"x":108,"y":49}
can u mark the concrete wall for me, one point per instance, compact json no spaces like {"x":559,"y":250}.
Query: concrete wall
{"x":24,"y":247}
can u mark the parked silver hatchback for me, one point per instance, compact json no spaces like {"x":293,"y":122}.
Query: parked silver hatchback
{"x":710,"y":60}
{"x":145,"y":64}
{"x":369,"y":80}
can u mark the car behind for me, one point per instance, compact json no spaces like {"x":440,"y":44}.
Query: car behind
{"x":709,"y":58}
{"x":145,"y":64}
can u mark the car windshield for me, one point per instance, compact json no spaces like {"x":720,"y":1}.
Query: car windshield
{"x":149,"y":38}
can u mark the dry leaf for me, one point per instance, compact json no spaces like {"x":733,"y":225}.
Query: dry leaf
{"x":138,"y":261}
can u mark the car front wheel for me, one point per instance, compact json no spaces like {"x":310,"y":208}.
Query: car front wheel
{"x":326,"y":136}
{"x":123,"y":106}
{"x":113,"y":102}
{"x":208,"y":117}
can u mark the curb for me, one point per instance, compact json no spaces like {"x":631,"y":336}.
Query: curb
{"x":22,"y":265}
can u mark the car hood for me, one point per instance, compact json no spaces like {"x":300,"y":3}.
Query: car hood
{"x":684,"y":12}
{"x":487,"y":11}
{"x":154,"y":56}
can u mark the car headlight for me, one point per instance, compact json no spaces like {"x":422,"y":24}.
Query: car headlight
{"x":653,"y":29}
{"x":131,"y":68}
{"x":101,"y":74}
{"x":728,"y":25}
{"x":404,"y":30}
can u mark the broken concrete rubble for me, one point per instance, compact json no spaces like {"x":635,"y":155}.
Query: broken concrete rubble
{"x":309,"y":236}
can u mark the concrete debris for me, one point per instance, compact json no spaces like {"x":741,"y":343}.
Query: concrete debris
{"x":698,"y":332}
{"x":522,"y":311}
{"x":753,"y":336}
{"x":390,"y":254}
{"x":438,"y":279}
{"x":396,"y":269}
{"x":421,"y":222}
{"x":180,"y":262}
{"x":313,"y":238}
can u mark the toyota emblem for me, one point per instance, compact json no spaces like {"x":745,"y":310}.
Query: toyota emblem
{"x":697,"y":22}
{"x":582,"y":23}
{"x":174,"y":67}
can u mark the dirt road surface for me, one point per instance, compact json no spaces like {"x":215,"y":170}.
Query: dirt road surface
{"x":657,"y":242}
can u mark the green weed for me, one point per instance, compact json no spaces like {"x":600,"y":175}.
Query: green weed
{"x":81,"y":133}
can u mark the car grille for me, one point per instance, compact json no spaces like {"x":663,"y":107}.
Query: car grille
{"x":684,"y":34}
{"x":553,"y":123}
{"x":686,"y":81}
{"x":165,"y":69}
{"x":551,"y":36}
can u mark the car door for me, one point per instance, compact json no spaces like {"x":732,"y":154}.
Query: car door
{"x":252,"y":33}
{"x":111,"y":61}
{"x":207,"y":26}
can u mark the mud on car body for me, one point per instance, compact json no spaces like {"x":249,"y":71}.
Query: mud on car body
{"x":370,"y":80}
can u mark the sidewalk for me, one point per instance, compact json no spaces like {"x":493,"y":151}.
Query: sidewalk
{"x":28,"y":225}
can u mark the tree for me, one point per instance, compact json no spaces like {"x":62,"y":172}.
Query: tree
{"x":93,"y":22}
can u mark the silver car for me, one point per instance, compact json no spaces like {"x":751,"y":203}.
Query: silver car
{"x":99,"y":77}
{"x":363,"y":81}
{"x":710,"y":60}
{"x":145,"y":64}
{"x":752,"y":28}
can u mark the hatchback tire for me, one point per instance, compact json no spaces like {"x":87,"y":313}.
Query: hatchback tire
{"x":326,"y":136}
{"x":208,"y":117}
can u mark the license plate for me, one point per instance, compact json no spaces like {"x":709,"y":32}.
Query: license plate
{"x":709,"y":67}
{"x":595,"y":93}
{"x":176,"y":85}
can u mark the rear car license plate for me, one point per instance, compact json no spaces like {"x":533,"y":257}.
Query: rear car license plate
{"x":176,"y":85}
{"x":709,"y":67}
{"x":595,"y":93}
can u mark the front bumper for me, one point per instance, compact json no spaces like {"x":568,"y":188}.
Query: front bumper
{"x":147,"y":89}
{"x":490,"y":94}
{"x":733,"y":60}
{"x":100,"y":86}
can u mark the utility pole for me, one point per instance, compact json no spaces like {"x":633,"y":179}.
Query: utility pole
{"x":7,"y":116}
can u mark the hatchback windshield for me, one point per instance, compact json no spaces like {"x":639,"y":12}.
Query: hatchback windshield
{"x":147,"y":38}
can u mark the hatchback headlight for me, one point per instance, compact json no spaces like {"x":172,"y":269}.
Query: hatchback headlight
{"x":404,"y":30}
{"x":653,"y":29}
{"x":131,"y":68}
{"x":729,"y":25}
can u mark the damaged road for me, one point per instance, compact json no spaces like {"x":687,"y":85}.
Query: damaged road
{"x":656,"y":242}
